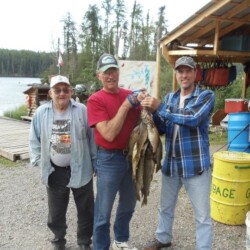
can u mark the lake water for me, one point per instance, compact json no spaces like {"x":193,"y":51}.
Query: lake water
{"x":11,"y":92}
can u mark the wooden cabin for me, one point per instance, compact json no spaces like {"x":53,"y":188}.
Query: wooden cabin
{"x":36,"y":95}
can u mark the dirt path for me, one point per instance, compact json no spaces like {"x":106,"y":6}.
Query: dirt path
{"x":23,"y":216}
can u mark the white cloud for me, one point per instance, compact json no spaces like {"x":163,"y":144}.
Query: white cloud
{"x":35,"y":24}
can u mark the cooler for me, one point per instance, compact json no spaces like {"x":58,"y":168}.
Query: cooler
{"x":236,"y":105}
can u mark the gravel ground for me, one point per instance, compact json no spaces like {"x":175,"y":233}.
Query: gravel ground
{"x":23,"y":216}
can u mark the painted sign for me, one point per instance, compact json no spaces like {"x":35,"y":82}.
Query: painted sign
{"x":138,"y":74}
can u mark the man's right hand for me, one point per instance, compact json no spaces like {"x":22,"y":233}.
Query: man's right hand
{"x":151,"y":103}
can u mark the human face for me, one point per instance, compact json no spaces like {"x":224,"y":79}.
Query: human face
{"x":60,"y":94}
{"x":185,"y":77}
{"x":109,"y":79}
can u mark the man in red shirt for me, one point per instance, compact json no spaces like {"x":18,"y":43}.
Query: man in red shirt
{"x":113,"y":112}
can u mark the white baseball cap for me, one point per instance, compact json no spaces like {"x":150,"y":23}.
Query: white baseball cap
{"x":58,"y":79}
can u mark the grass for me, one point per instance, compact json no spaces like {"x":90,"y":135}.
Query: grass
{"x":7,"y":163}
{"x":16,"y":113}
{"x":218,"y":138}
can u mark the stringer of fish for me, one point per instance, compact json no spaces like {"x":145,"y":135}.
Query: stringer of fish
{"x":145,"y":152}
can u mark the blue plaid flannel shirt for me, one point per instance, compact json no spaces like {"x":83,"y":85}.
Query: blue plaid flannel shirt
{"x":192,"y":153}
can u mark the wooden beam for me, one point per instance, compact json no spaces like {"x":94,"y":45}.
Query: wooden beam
{"x":24,"y":156}
{"x":224,"y":53}
{"x":174,"y":84}
{"x":190,"y":52}
{"x":225,"y":31}
{"x":201,"y":31}
{"x":182,"y":29}
{"x":170,"y":59}
{"x":230,"y":20}
{"x":230,"y":15}
{"x":244,"y":86}
{"x":7,"y":155}
{"x":158,"y":73}
{"x":216,"y":37}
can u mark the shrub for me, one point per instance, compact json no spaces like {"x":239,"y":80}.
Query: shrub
{"x":17,"y":112}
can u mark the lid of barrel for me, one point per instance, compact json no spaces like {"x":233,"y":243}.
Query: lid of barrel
{"x":233,"y":156}
{"x":236,"y":100}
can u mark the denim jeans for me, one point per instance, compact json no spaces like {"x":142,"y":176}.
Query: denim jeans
{"x":198,"y":190}
{"x":114,"y":175}
{"x":58,"y":200}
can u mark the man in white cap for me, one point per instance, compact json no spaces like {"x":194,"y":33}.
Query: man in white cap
{"x":184,"y":119}
{"x":62,"y":144}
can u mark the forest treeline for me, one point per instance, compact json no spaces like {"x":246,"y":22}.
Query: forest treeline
{"x":24,"y":63}
{"x":108,"y":27}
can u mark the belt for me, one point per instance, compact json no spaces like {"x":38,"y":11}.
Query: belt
{"x":113,"y":151}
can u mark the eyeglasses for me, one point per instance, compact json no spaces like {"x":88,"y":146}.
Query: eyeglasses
{"x":64,"y":91}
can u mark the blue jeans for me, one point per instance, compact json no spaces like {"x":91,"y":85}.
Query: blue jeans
{"x":198,"y":190}
{"x":114,"y":175}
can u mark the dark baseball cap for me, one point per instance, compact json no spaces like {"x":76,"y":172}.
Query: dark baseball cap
{"x":185,"y":61}
{"x":106,"y":61}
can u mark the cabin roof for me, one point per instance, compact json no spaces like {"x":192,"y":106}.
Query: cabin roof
{"x":34,"y":86}
{"x":202,"y":33}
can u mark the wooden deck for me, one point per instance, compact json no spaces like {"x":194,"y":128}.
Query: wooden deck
{"x":14,"y":139}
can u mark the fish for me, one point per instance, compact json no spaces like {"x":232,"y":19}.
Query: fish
{"x":158,"y":156}
{"x":149,"y":167}
{"x":138,"y":147}
{"x":133,"y":139}
{"x":145,"y":153}
{"x":146,"y":117}
{"x":153,"y":134}
{"x":153,"y":137}
{"x":140,"y":173}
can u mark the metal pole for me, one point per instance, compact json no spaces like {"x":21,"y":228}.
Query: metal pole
{"x":58,"y":55}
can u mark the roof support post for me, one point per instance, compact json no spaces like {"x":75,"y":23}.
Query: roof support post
{"x":158,"y":73}
{"x":216,"y":37}
{"x":244,"y":86}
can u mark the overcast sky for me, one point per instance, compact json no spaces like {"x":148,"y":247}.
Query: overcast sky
{"x":35,"y":24}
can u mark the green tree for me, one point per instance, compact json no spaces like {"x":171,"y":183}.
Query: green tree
{"x":70,"y":46}
{"x":23,"y":63}
{"x":91,"y":34}
{"x":107,"y":36}
{"x":135,"y":35}
{"x":120,"y":24}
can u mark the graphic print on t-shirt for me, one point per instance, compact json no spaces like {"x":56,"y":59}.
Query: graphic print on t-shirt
{"x":60,"y":138}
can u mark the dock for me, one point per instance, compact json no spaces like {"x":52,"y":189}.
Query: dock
{"x":14,"y":139}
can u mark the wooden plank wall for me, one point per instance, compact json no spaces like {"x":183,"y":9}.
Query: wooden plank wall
{"x":14,"y":139}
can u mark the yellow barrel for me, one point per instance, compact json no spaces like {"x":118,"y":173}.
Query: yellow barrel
{"x":230,"y":191}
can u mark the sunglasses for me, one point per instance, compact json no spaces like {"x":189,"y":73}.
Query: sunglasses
{"x":64,"y":91}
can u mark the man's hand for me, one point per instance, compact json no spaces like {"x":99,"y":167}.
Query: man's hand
{"x":142,"y":94}
{"x":151,"y":103}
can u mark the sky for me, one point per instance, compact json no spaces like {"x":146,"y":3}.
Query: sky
{"x":36,"y":24}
